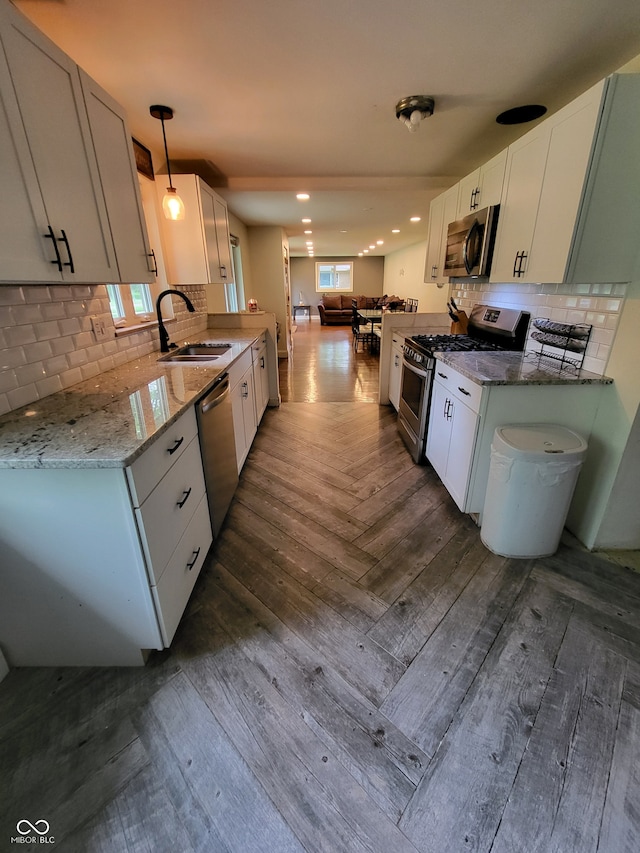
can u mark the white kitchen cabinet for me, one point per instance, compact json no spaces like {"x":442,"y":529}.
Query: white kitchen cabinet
{"x":569,"y":207}
{"x":483,"y":187}
{"x":243,"y":405}
{"x":197,"y":248}
{"x":395,"y":370}
{"x":71,"y":209}
{"x":260,"y":376}
{"x":464,"y":416}
{"x":442,"y":211}
{"x":453,"y":424}
{"x":119,"y":179}
{"x":54,"y":225}
{"x":94,"y":587}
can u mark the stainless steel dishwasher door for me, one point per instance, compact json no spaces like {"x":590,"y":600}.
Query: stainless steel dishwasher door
{"x":218,"y":448}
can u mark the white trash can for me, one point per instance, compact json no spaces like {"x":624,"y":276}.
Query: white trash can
{"x":532,"y":477}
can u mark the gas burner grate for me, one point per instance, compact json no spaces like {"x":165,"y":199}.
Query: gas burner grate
{"x":451,"y":343}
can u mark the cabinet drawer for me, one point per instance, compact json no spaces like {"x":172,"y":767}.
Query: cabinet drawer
{"x":239,"y":368}
{"x":174,"y":588}
{"x":147,"y":470}
{"x":165,"y":514}
{"x":470,"y":393}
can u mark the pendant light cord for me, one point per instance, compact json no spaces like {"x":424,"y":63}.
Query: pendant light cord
{"x":166,"y":151}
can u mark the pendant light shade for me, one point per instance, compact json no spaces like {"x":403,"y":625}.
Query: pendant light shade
{"x":172,"y":204}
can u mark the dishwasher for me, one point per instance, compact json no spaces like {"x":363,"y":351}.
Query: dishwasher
{"x":218,"y":448}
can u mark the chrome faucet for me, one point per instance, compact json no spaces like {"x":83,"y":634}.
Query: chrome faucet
{"x":165,"y":346}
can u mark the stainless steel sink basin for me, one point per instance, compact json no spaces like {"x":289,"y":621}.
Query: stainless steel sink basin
{"x":196,"y":353}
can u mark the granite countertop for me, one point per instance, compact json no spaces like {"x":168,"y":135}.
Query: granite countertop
{"x":516,"y":368}
{"x":109,"y":420}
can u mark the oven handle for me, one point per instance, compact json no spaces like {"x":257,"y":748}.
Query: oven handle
{"x":419,"y":371}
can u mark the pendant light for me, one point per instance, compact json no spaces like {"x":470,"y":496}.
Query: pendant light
{"x":172,"y":204}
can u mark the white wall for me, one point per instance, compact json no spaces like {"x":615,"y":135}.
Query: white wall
{"x":404,"y":276}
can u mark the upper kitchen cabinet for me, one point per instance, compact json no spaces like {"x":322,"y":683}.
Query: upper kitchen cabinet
{"x":442,"y":211}
{"x":119,"y":179}
{"x":197,"y":248}
{"x":569,"y":210}
{"x":483,"y":187}
{"x":54,"y":219}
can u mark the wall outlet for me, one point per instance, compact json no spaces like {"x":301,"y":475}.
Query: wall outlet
{"x":99,"y":328}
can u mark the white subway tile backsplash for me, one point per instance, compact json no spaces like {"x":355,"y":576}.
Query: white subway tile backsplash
{"x":22,"y":396}
{"x":38,"y":351}
{"x":47,"y":330}
{"x":4,"y":404}
{"x":8,"y":381}
{"x":23,"y":314}
{"x":18,"y":336}
{"x":11,"y":295}
{"x":70,"y":326}
{"x":50,"y":385}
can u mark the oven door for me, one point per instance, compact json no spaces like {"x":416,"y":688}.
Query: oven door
{"x":413,"y":410}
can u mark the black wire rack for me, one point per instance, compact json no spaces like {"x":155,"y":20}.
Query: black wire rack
{"x":565,"y":343}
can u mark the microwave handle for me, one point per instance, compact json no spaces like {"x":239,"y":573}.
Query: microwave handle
{"x":470,"y":263}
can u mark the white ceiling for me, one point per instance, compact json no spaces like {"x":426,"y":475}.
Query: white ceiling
{"x":290,"y":95}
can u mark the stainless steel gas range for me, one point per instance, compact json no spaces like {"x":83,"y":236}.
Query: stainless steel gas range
{"x":489,"y":328}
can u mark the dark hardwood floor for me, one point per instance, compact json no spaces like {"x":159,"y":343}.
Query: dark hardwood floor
{"x":354,"y":672}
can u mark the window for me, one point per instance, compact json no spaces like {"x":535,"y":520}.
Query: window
{"x":131,"y":304}
{"x":334,"y":277}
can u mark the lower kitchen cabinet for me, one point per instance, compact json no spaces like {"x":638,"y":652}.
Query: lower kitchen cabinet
{"x":464,"y":416}
{"x":395,"y":371}
{"x":243,"y":406}
{"x":114,"y":559}
{"x":453,"y":424}
{"x":260,"y":376}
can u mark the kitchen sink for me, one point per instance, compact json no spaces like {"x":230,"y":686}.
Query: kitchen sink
{"x":196,"y":353}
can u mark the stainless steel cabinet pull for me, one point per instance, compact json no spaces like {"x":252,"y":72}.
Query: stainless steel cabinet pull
{"x":173,"y":449}
{"x":196,"y":553}
{"x":245,"y":389}
{"x":464,"y":391}
{"x":64,"y":240}
{"x":184,"y":499}
{"x":51,"y":236}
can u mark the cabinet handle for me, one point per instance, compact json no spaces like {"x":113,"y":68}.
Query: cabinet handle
{"x":434,"y":271}
{"x":184,"y":499}
{"x":154,"y":270}
{"x":464,"y":391}
{"x":223,"y":271}
{"x":65,"y":240}
{"x":443,"y":375}
{"x":245,"y":387}
{"x":196,"y":553}
{"x":51,"y":236}
{"x":172,"y":450}
{"x":262,"y":362}
{"x":519,"y":264}
{"x":397,"y":358}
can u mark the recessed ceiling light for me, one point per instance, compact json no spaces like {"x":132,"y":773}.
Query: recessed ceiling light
{"x":308,"y":232}
{"x":360,"y":254}
{"x":395,"y":230}
{"x":521,"y":115}
{"x":305,"y":220}
{"x":372,"y":246}
{"x":379,"y":242}
{"x":415,"y":219}
{"x":365,"y":251}
{"x":302,"y":196}
{"x":344,"y":231}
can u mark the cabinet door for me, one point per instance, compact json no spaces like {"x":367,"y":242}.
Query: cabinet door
{"x":222,"y":239}
{"x":439,"y":432}
{"x":118,"y":174}
{"x":260,"y":380}
{"x":570,"y":145}
{"x":244,"y":415}
{"x":45,"y":96}
{"x":395,"y":377}
{"x":464,"y":423}
{"x":492,"y":180}
{"x":523,"y":185}
{"x":443,"y":208}
{"x":211,"y":239}
{"x":468,"y":194}
{"x":249,"y":408}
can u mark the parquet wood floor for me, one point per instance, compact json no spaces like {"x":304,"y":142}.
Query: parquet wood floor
{"x":355,"y":672}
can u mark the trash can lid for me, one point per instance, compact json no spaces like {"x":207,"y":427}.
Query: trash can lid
{"x":535,"y":440}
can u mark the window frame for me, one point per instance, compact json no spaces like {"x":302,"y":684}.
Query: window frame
{"x":333,"y":288}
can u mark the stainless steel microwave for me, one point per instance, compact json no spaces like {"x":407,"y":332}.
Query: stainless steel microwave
{"x":470,"y":242}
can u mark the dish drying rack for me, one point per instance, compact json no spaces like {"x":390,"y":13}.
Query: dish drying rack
{"x":557,"y":340}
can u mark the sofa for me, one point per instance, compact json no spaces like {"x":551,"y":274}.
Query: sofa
{"x":336,"y":309}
